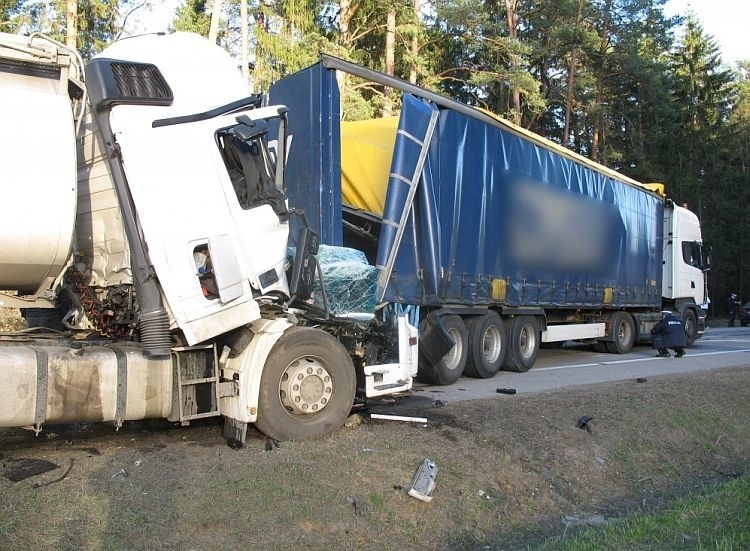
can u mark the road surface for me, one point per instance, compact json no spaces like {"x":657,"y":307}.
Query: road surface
{"x":577,"y":365}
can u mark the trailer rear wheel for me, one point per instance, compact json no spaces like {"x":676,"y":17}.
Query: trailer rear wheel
{"x":691,"y":326}
{"x":451,"y":366}
{"x":523,"y":343}
{"x":623,"y":333}
{"x":307,"y":387}
{"x":486,"y":345}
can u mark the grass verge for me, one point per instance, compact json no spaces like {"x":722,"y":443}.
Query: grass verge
{"x":715,"y":518}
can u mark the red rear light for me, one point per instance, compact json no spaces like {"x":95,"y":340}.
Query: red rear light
{"x":412,"y":341}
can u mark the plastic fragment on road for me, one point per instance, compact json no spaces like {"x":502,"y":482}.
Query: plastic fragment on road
{"x":506,"y":390}
{"x":398,"y":418}
{"x":423,"y":483}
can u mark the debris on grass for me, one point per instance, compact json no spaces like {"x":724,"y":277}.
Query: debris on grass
{"x":17,"y":470}
{"x":423,"y":483}
{"x":403,"y":418}
{"x":272,"y":444}
{"x":361,"y":505}
{"x":583,"y":423}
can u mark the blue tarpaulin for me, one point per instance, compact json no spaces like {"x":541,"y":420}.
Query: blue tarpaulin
{"x":501,"y":219}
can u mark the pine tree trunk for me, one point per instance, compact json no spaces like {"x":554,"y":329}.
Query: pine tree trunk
{"x":390,"y":58}
{"x":599,"y":118}
{"x":71,"y":23}
{"x":245,"y":40}
{"x":213,"y":32}
{"x":570,"y":95}
{"x":414,"y":44}
{"x":511,"y":13}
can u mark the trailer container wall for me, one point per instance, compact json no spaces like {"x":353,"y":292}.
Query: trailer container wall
{"x":496,"y":218}
{"x":500,"y":219}
{"x":313,"y":172}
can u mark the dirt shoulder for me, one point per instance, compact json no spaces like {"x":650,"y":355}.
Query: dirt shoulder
{"x":510,"y":469}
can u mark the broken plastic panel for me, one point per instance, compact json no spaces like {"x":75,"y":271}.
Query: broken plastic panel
{"x":423,"y":483}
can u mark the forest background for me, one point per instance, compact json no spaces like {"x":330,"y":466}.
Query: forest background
{"x":614,"y":80}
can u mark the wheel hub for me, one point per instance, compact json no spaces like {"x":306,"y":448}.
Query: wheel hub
{"x":453,"y":356}
{"x":492,"y":344}
{"x":306,"y":386}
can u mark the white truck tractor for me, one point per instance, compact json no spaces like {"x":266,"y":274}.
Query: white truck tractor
{"x":147,"y":239}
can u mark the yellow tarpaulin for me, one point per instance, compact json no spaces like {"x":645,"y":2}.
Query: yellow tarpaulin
{"x":366,"y":151}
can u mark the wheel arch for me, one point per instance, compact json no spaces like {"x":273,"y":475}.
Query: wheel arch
{"x":244,"y":406}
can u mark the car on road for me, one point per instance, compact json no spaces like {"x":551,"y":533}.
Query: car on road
{"x":744,"y":314}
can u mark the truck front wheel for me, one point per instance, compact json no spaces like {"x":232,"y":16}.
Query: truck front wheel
{"x":486,"y":345}
{"x":307,"y":387}
{"x":523,"y":343}
{"x":451,"y":366}
{"x":623,"y":333}
{"x":691,"y":326}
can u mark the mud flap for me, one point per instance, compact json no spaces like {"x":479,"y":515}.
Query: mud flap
{"x":435,"y":342}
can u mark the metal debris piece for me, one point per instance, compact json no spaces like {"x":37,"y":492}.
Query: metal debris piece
{"x":17,"y":470}
{"x":423,"y":483}
{"x":506,"y":390}
{"x":583,"y":423}
{"x":121,"y":472}
{"x":398,"y":418}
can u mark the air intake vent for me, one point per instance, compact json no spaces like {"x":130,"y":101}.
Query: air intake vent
{"x":138,"y":80}
{"x":113,"y":82}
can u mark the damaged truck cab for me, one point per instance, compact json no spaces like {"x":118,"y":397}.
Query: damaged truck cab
{"x":179,"y":290}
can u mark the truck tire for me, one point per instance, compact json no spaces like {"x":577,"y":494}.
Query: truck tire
{"x":522,"y":343}
{"x":323,"y":397}
{"x":691,"y":326}
{"x":451,"y":366}
{"x":623,"y":334}
{"x":486,"y":345}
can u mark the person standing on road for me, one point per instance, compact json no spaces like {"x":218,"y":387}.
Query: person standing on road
{"x":669,"y":333}
{"x":733,"y":305}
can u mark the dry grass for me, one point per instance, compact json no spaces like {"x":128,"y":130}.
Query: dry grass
{"x":510,"y":468}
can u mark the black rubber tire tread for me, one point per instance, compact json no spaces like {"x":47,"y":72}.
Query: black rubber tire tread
{"x":600,"y":347}
{"x":690,"y":322}
{"x":514,"y":360}
{"x":440,"y":373}
{"x":617,"y":346}
{"x":273,"y":418}
{"x":476,"y":364}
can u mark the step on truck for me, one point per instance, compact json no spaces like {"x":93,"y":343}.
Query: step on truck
{"x":496,"y":241}
{"x":148,"y":241}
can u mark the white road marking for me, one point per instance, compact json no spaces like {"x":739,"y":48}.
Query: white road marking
{"x":643,"y":359}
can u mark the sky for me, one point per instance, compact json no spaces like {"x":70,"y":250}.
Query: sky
{"x":728,"y":21}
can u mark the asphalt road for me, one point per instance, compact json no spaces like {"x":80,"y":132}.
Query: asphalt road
{"x":574,"y":365}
